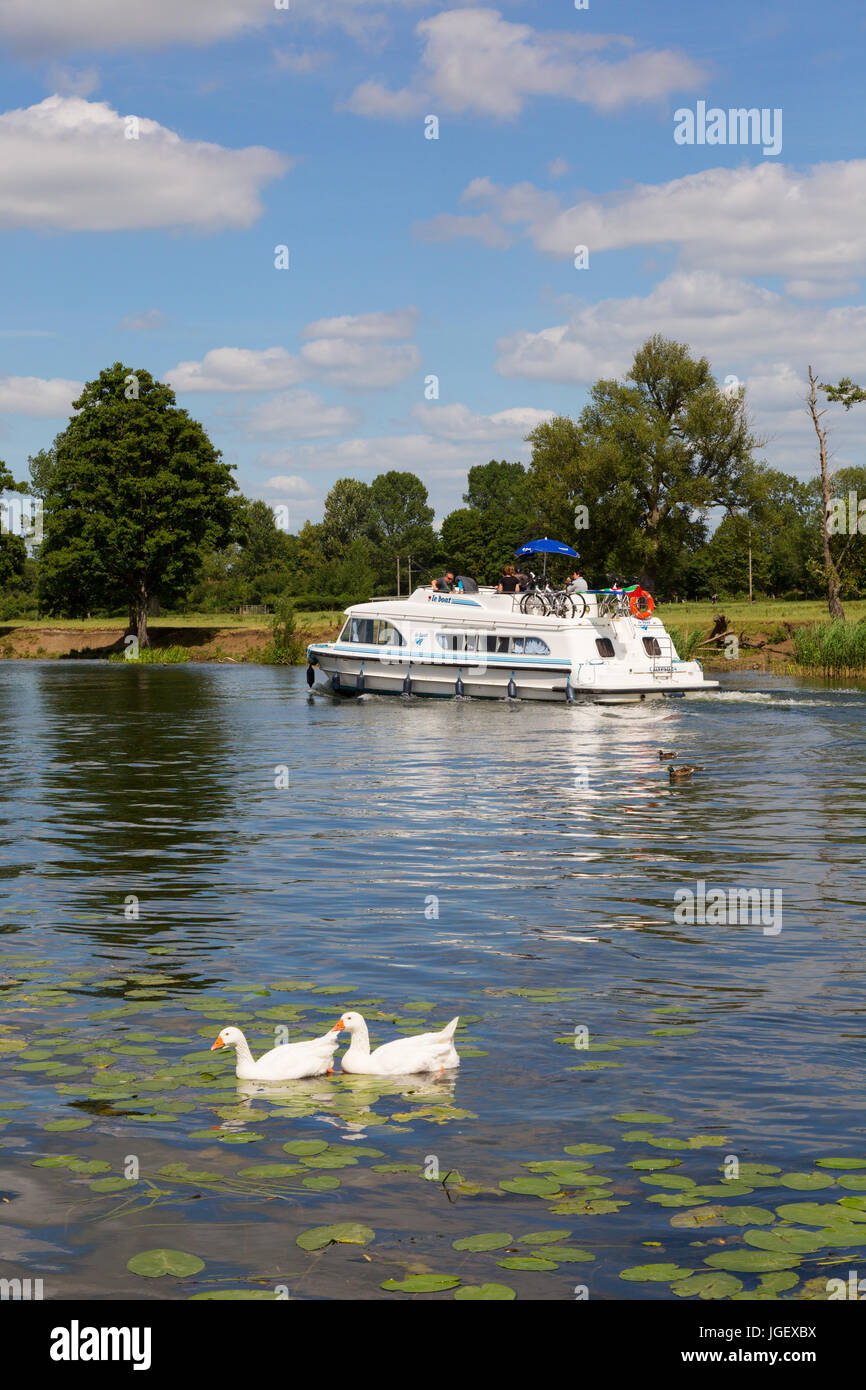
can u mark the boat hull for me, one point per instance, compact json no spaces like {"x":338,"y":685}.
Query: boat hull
{"x":348,"y":675}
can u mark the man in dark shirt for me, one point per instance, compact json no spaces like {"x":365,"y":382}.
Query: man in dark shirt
{"x":445,"y":584}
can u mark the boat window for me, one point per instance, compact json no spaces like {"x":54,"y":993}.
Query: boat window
{"x":517,"y":644}
{"x":360,"y":629}
{"x":651,"y":646}
{"x":387,"y":634}
{"x":446,"y":640}
{"x":605,"y":646}
{"x":502,"y":644}
{"x":536,"y":647}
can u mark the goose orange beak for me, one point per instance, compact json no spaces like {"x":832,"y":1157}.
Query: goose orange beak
{"x":339,"y":1026}
{"x":214,"y":1045}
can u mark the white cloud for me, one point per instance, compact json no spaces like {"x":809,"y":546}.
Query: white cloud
{"x":361,"y":365}
{"x":474,"y":60}
{"x":33,"y":395}
{"x":394,"y":323}
{"x":459,"y":422}
{"x":300,"y":61}
{"x":288,"y":485}
{"x":238,"y":369}
{"x":761,"y":337}
{"x":58,"y":26}
{"x":146,"y":322}
{"x":449,"y":226}
{"x":301,"y":415}
{"x":765,"y":219}
{"x":66,"y":164}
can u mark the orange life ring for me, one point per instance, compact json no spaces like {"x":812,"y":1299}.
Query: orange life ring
{"x":641,"y":604}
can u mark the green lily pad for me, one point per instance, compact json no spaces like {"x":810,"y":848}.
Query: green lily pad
{"x":584,"y":1150}
{"x":305,"y":1148}
{"x":543,"y":1237}
{"x":153,"y":1264}
{"x":749,"y":1216}
{"x":783,"y":1238}
{"x":655,"y":1274}
{"x":644,"y":1117}
{"x":751,"y":1261}
{"x":264,"y":1171}
{"x":813,"y":1213}
{"x":234,"y":1296}
{"x":527,"y":1262}
{"x":484,"y":1293}
{"x":322,"y":1183}
{"x":487,"y":1240}
{"x":667,"y":1180}
{"x":707,"y":1286}
{"x":855,"y":1181}
{"x":701,"y":1216}
{"x":841,"y":1162}
{"x":531,"y":1187}
{"x":344,"y":1233}
{"x":805,"y":1182}
{"x":587,"y":1206}
{"x":652,"y":1164}
{"x":74,"y":1122}
{"x":421,"y":1283}
{"x":116,"y":1184}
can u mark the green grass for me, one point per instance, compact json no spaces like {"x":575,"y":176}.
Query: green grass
{"x":765,"y":615}
{"x":154,"y":656}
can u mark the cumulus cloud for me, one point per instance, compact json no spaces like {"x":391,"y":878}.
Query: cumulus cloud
{"x":146,"y":322}
{"x":766,"y":219}
{"x":473,"y":60}
{"x":394,"y":323}
{"x":301,"y":415}
{"x":67,"y":164}
{"x":238,"y":369}
{"x":459,"y":422}
{"x":33,"y":395}
{"x":361,"y":365}
{"x":754,"y":334}
{"x":56,"y":26}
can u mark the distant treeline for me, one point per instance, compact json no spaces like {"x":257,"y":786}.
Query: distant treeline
{"x":139,"y":509}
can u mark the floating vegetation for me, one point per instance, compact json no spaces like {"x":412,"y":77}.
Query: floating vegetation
{"x":153,"y":1264}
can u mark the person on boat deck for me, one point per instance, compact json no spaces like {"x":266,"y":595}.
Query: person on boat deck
{"x":445,"y":584}
{"x":577,"y":582}
{"x":508,"y":583}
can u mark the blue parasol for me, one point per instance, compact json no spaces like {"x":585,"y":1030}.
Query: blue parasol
{"x":545,"y":547}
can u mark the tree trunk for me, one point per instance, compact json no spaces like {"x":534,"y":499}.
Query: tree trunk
{"x":834,"y":583}
{"x":140,"y":613}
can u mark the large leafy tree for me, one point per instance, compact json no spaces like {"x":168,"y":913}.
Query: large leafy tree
{"x":346,"y":517}
{"x":482,"y":537}
{"x":136,"y":496}
{"x":400,"y":522}
{"x":647,"y":459}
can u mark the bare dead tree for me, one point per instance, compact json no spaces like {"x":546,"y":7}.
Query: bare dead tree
{"x":831,"y":573}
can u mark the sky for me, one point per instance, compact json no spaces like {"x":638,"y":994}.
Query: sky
{"x":153,"y":158}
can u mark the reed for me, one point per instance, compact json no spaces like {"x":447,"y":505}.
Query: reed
{"x":686,"y":640}
{"x":154,"y":656}
{"x":836,"y":648}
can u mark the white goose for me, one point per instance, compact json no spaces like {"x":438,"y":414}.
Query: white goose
{"x":290,"y":1062}
{"x":403,"y":1057}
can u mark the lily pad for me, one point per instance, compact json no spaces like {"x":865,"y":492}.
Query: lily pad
{"x":543,"y":1237}
{"x":805,"y":1182}
{"x":484,"y":1293}
{"x":344,"y":1233}
{"x":709,"y":1285}
{"x":305,"y":1148}
{"x":584,"y":1150}
{"x":841,"y":1162}
{"x":701,"y":1216}
{"x":644,"y":1117}
{"x":751,"y":1261}
{"x":531,"y":1187}
{"x":421,"y":1283}
{"x":527,"y":1262}
{"x":792,"y":1238}
{"x":487,"y":1240}
{"x":655,"y":1274}
{"x":153,"y":1264}
{"x":321,"y":1183}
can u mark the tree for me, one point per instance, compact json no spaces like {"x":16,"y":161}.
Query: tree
{"x":832,"y":577}
{"x":135,"y":500}
{"x":400,"y":521}
{"x":665,"y":447}
{"x":13,"y":548}
{"x":482,"y":537}
{"x":347,"y":516}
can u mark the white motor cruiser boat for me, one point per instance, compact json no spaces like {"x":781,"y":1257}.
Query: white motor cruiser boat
{"x":606,"y":646}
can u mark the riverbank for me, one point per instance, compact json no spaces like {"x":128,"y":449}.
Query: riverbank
{"x":203,"y":637}
{"x":763,"y":631}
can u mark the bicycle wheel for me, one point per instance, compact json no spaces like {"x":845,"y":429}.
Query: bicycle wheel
{"x":564,"y":606}
{"x":582,"y":611}
{"x":533,"y":605}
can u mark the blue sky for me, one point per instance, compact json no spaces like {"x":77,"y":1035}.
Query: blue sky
{"x":410,"y":257}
